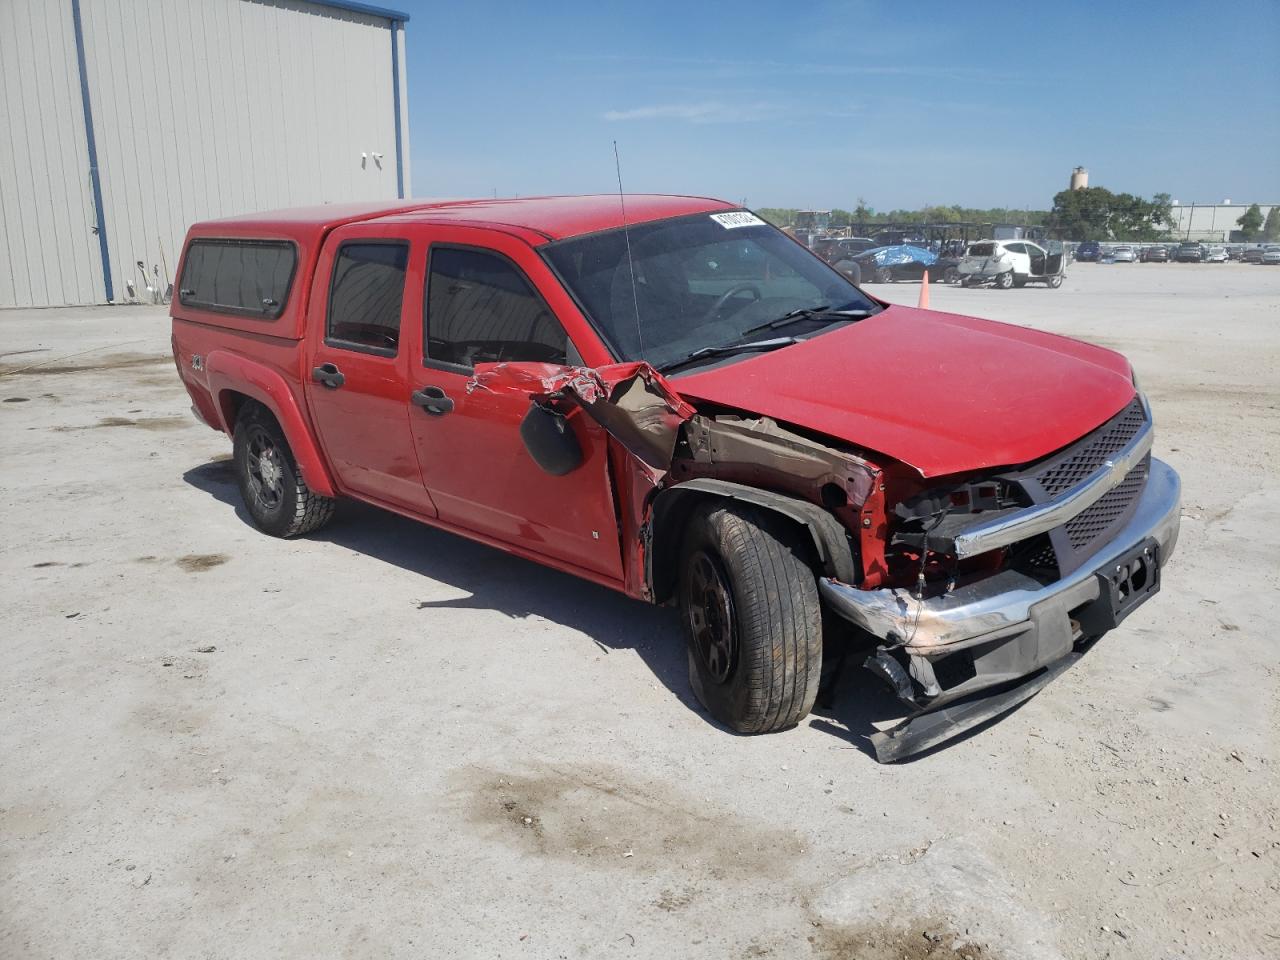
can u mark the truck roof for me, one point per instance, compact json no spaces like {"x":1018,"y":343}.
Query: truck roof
{"x":545,"y":218}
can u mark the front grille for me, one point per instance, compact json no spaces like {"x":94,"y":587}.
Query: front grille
{"x":1088,"y":525}
{"x":1081,"y":462}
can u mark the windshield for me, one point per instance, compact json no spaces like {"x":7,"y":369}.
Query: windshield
{"x":699,"y":282}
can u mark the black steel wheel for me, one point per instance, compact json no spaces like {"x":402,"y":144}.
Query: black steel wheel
{"x":751,"y":616}
{"x":710,"y":613}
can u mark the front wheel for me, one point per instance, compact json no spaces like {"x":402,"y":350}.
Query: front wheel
{"x":271,"y":485}
{"x":1055,"y":281}
{"x":752,"y":620}
{"x":1005,"y":280}
{"x":952,"y":275}
{"x":883,"y":275}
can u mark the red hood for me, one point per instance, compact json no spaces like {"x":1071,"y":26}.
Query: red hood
{"x":940,"y":392}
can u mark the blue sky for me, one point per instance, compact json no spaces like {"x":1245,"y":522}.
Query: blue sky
{"x":817,"y":103}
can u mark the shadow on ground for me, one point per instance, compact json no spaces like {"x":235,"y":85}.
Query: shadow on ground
{"x":853,"y":708}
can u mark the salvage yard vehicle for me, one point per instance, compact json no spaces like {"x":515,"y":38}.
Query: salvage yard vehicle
{"x":1090,"y":251}
{"x":1156,"y":254}
{"x":684,"y":404}
{"x":903,"y":262}
{"x":1010,"y":263}
{"x":1270,"y":254}
{"x":1124,"y":254}
{"x":1189,"y":253}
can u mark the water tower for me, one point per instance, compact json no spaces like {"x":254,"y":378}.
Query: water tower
{"x":1079,"y":178}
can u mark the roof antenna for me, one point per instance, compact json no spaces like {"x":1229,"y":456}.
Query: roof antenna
{"x":626,"y":232}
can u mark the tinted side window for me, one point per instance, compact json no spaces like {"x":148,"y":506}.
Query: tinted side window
{"x":481,"y":309}
{"x":365,"y":295}
{"x":249,"y":277}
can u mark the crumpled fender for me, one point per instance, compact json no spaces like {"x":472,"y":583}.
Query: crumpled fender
{"x":631,"y":401}
{"x":228,"y":372}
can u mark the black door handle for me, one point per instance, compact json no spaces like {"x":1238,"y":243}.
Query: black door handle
{"x":329,"y":375}
{"x":433,"y":400}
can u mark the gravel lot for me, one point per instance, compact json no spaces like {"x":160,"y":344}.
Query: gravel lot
{"x":385,"y":741}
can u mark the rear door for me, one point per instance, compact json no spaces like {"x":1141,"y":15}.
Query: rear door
{"x":1018,"y":257}
{"x":357,"y":373}
{"x":483,"y":303}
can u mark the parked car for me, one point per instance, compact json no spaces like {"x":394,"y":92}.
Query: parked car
{"x":1156,"y":254}
{"x":1216,"y":254}
{"x":1090,"y":251}
{"x":903,"y":262}
{"x":1189,"y":253}
{"x":1252,"y":255}
{"x":1124,"y":254}
{"x":1010,"y":263}
{"x":687,"y":406}
{"x":1271,"y":254}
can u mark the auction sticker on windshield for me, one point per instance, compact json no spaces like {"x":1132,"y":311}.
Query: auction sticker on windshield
{"x":739,"y":218}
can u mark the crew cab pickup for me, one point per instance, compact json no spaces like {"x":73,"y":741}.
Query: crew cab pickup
{"x":670,"y":397}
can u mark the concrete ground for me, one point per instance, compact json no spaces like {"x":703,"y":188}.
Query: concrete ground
{"x":385,"y":741}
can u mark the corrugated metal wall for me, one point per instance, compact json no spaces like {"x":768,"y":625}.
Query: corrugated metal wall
{"x":48,"y":249}
{"x":201,"y":108}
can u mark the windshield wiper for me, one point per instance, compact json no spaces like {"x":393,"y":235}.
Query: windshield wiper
{"x":725,"y":349}
{"x":821,"y":312}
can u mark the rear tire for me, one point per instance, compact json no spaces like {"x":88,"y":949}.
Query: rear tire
{"x":1055,"y":281}
{"x":752,"y":619}
{"x":271,"y":485}
{"x":883,"y":275}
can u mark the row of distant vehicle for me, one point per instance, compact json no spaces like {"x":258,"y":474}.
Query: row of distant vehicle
{"x":1090,"y":251}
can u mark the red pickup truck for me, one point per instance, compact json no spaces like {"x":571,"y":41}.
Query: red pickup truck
{"x":670,"y":397}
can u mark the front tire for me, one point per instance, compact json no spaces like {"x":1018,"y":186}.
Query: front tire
{"x":1055,"y":281}
{"x":752,"y":619}
{"x":1005,"y":280}
{"x":271,"y":485}
{"x":883,"y":275}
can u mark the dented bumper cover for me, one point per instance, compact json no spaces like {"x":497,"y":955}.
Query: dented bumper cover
{"x":985,"y":637}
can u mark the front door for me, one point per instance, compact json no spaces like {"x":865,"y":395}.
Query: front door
{"x":482,"y":307}
{"x":357,"y":373}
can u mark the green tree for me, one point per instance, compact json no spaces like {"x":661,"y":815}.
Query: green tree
{"x":1082,"y":214}
{"x":1250,"y":223}
{"x":1271,"y":229}
{"x":1095,"y":213}
{"x":862,"y":213}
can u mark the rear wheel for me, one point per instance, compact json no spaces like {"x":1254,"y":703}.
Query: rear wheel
{"x":952,"y":275}
{"x":883,"y":275}
{"x":752,"y":620}
{"x":271,"y":485}
{"x":1055,"y":281}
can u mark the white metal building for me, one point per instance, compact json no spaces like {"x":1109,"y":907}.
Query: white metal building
{"x":1211,"y":222}
{"x":123,"y":121}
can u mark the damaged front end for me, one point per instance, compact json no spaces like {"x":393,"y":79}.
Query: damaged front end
{"x":1015,"y":575}
{"x":974,"y":594}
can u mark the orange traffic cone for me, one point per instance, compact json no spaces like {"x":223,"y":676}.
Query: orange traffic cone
{"x":924,"y":291}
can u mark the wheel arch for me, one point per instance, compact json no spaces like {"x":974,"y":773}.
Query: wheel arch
{"x":833,"y":551}
{"x":235,"y":380}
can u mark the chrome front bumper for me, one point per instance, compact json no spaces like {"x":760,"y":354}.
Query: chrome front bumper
{"x":1007,"y":603}
{"x":1007,"y":631}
